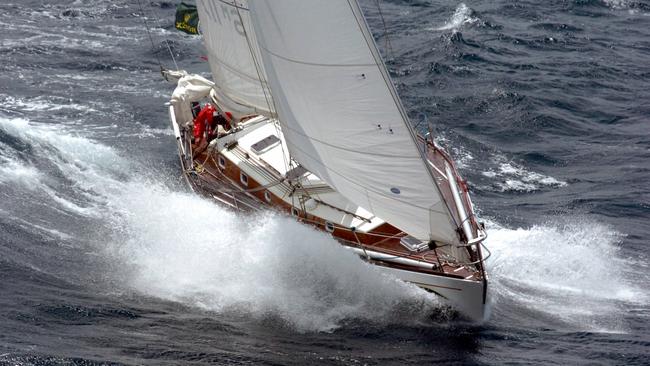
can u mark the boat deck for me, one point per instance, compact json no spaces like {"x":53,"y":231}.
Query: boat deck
{"x":219,"y":179}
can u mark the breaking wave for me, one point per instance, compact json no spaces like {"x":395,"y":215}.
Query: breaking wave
{"x":503,"y":174}
{"x":184,"y":248}
{"x":42,"y":104}
{"x":511,"y":177}
{"x":462,"y":15}
{"x":180,"y":247}
{"x":13,"y":172}
{"x":570,"y":269}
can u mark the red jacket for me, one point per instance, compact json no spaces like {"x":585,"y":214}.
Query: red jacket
{"x":202,"y":121}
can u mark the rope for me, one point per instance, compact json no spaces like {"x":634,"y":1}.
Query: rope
{"x":202,"y":169}
{"x":354,"y":231}
{"x":268,"y":98}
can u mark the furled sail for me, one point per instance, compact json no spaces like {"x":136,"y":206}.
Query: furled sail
{"x":341,"y":115}
{"x":234,"y":56}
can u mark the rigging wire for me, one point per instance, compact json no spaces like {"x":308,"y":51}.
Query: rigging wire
{"x":425,"y":119}
{"x":353,"y":230}
{"x":388,"y":46}
{"x":169,"y":48}
{"x":363,"y":247}
{"x":255,"y":61}
{"x":263,"y":82}
{"x":153,"y":46}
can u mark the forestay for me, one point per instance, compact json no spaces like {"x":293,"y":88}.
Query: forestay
{"x":239,"y":86}
{"x":340,"y":113}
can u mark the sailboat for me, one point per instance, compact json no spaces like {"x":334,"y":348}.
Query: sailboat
{"x":314,"y":128}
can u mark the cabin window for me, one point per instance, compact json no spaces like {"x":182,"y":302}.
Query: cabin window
{"x":267,"y":196}
{"x":222,"y":162}
{"x":329,"y":227}
{"x":243,"y":178}
{"x":294,"y":211}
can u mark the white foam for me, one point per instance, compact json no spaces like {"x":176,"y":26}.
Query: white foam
{"x":462,"y":15}
{"x":570,"y":271}
{"x":507,"y":175}
{"x":463,"y":158}
{"x":90,"y":165}
{"x":184,"y":248}
{"x":512,"y":177}
{"x":12,"y":171}
{"x":43,"y":104}
{"x":41,"y":229}
{"x":517,"y":185}
{"x":617,"y":4}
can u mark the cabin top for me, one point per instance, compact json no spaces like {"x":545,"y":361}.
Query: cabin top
{"x":261,"y":147}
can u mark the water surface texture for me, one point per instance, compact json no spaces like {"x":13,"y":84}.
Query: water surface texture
{"x":107,"y":258}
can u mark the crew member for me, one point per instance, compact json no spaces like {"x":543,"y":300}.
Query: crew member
{"x":202,"y":124}
{"x":206,"y":126}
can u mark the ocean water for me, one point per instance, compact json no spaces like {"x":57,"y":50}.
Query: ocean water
{"x":107,"y":258}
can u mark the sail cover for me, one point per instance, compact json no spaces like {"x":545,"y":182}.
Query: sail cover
{"x":340,"y":113}
{"x":239,"y":87}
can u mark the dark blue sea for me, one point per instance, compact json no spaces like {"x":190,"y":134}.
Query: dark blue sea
{"x":106,"y":257}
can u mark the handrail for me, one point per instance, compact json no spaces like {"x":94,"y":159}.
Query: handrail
{"x":482,"y":260}
{"x":482,"y":236}
{"x":177,"y":132}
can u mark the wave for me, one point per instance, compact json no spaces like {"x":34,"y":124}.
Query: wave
{"x":15,"y":172}
{"x":569,"y":270}
{"x":177,"y":246}
{"x":184,"y":248}
{"x":43,"y":104}
{"x":503,"y":174}
{"x":511,"y":177}
{"x":462,"y":15}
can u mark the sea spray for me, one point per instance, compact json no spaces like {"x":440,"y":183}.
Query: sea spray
{"x":181,"y":247}
{"x":568,"y":268}
{"x":184,"y":248}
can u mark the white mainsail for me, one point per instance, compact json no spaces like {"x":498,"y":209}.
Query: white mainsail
{"x":341,"y":115}
{"x":234,"y":57}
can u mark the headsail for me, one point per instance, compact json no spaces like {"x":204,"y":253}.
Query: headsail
{"x":341,"y":115}
{"x":234,"y":57}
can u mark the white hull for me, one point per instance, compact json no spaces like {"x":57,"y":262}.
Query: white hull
{"x":468,"y":296}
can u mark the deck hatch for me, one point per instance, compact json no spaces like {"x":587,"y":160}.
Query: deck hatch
{"x":265,"y":144}
{"x":413,"y":244}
